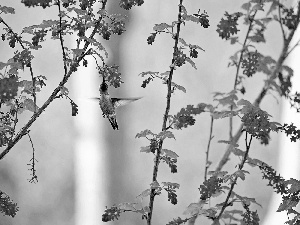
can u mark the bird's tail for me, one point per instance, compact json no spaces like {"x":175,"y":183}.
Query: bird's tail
{"x":113,"y":122}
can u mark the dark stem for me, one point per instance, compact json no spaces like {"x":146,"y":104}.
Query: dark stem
{"x":165,"y":118}
{"x":208,"y":147}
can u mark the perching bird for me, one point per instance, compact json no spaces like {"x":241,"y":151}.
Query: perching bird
{"x":108,"y":105}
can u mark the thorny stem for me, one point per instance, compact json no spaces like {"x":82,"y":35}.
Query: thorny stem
{"x":241,"y":165}
{"x":164,"y":126}
{"x":284,"y":53}
{"x":208,"y":147}
{"x":28,"y":65}
{"x":73,"y":68}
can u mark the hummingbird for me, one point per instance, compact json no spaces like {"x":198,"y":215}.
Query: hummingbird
{"x":108,"y":105}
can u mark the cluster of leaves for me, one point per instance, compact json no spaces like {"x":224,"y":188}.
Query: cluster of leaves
{"x":185,"y":117}
{"x":256,"y":122}
{"x":289,"y":190}
{"x":210,"y":187}
{"x":291,"y":131}
{"x":7,"y":207}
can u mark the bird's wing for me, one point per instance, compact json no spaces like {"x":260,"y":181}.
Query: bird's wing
{"x":117,"y":102}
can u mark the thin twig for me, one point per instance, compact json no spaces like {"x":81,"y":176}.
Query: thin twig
{"x":207,"y":164}
{"x":164,"y":126}
{"x":61,"y":38}
{"x":73,"y":68}
{"x":280,"y":22}
{"x":241,"y":165}
{"x":251,"y":18}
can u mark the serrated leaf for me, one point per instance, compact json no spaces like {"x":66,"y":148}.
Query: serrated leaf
{"x":191,"y":62}
{"x":144,"y":133}
{"x":246,"y":6}
{"x":154,"y":185}
{"x":29,"y":105}
{"x":258,"y":6}
{"x":145,"y":149}
{"x":170,"y":153}
{"x":193,"y":209}
{"x":144,"y":194}
{"x":295,"y":185}
{"x":127,"y":206}
{"x":161,"y":26}
{"x":7,"y":9}
{"x":286,"y":205}
{"x":165,"y":134}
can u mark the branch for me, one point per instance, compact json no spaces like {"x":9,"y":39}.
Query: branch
{"x":208,"y":147}
{"x":66,"y":77}
{"x":164,"y":126}
{"x":226,"y":202}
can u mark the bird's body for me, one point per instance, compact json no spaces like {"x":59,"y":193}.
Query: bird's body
{"x":108,"y":105}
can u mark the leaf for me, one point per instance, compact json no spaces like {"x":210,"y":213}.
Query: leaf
{"x":295,"y":185}
{"x":165,"y":134}
{"x":144,"y":133}
{"x":77,"y":51}
{"x":286,"y":205}
{"x":258,"y":6}
{"x":144,"y":194}
{"x":170,"y":153}
{"x":191,"y":62}
{"x":155,"y":185}
{"x":28,"y":104}
{"x":246,"y":6}
{"x":161,"y":26}
{"x":145,"y":149}
{"x":193,"y":209}
{"x":241,"y":174}
{"x":7,"y":10}
{"x":7,"y":207}
{"x":127,"y":206}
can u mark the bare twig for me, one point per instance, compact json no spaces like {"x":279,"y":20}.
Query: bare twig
{"x":207,"y":164}
{"x":61,"y":38}
{"x":164,"y":126}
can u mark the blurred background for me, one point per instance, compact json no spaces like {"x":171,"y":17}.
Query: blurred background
{"x":84,"y":165}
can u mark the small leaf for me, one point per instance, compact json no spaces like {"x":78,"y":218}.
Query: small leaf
{"x":144,"y":194}
{"x":191,"y":62}
{"x":144,"y":133}
{"x":161,"y":26}
{"x":7,"y":10}
{"x":246,"y":6}
{"x":165,"y":134}
{"x":193,"y":209}
{"x":170,"y":153}
{"x":127,"y":206}
{"x":28,"y":104}
{"x":145,"y":149}
{"x":286,"y":205}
